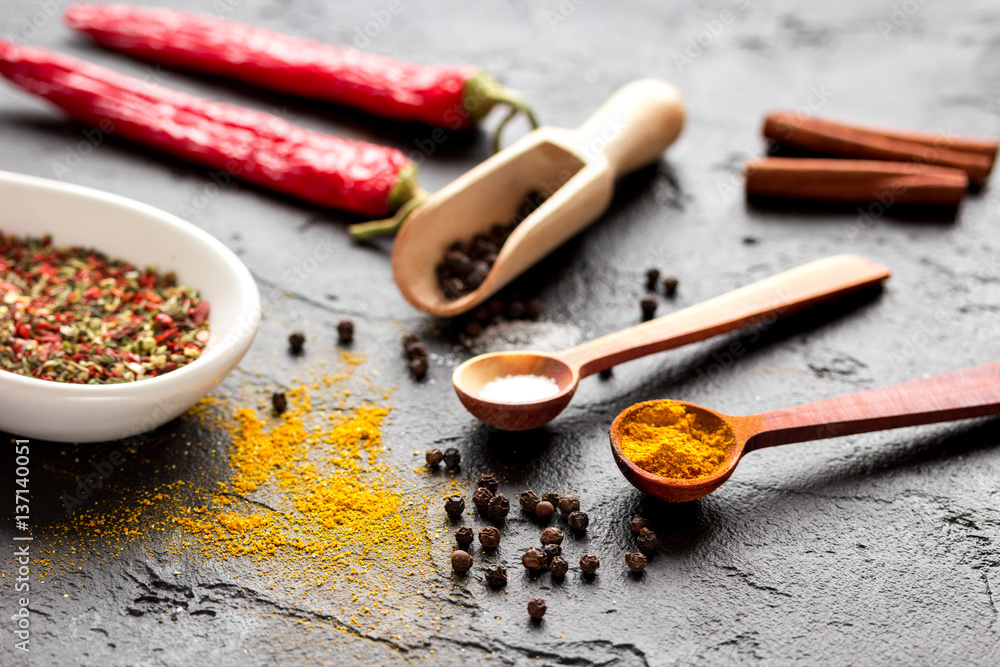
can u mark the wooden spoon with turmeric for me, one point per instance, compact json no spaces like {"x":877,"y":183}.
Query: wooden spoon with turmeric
{"x":679,"y":451}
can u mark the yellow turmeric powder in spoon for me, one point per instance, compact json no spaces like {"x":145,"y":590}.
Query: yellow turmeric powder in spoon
{"x":664,"y":438}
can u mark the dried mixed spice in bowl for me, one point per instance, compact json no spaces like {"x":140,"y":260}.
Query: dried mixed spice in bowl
{"x":152,"y":318}
{"x":71,"y":314}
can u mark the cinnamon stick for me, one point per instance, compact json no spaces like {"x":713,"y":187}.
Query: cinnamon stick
{"x":975,"y":156}
{"x":855,"y":181}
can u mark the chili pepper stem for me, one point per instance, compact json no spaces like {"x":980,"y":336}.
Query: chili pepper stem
{"x":483,"y":92}
{"x":388,"y":226}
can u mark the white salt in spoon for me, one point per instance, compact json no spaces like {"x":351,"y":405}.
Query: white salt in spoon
{"x":776,"y":296}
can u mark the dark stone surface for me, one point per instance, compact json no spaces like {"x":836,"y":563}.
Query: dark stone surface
{"x":874,"y":549}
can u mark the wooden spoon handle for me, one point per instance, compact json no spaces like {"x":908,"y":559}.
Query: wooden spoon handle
{"x":963,"y":394}
{"x":633,"y":127}
{"x":772,"y":297}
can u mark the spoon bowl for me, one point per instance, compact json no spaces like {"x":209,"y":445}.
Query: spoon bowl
{"x":470,"y":378}
{"x":963,"y":394}
{"x":772,"y":297}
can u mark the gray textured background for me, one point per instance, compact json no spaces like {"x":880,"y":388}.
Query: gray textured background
{"x":875,"y":549}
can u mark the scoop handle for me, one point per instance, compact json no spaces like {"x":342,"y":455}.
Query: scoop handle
{"x":779,"y":295}
{"x":962,"y":394}
{"x":633,"y":127}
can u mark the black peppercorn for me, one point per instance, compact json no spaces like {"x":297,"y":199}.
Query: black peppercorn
{"x":637,"y":524}
{"x":551,"y":551}
{"x":670,"y":286}
{"x":481,"y":499}
{"x":536,"y":607}
{"x":418,"y":367}
{"x":636,"y":562}
{"x":589,"y":563}
{"x":514,"y":310}
{"x":433,"y":456}
{"x":482,"y":314}
{"x":652,"y":278}
{"x":578,"y":521}
{"x":532,"y":309}
{"x":533,"y":559}
{"x":415,"y":350}
{"x":647,"y":542}
{"x":499,"y":507}
{"x":488,"y":482}
{"x":495,"y":307}
{"x":296,"y":341}
{"x":480,"y":269}
{"x":552,"y":535}
{"x":464,"y":536}
{"x":452,"y":458}
{"x":473,"y":329}
{"x":558,"y":566}
{"x":458,"y":263}
{"x":454,"y":506}
{"x":606,"y":374}
{"x":408,"y":339}
{"x":529,"y":500}
{"x":345,"y":331}
{"x":544,"y":510}
{"x":496,"y":575}
{"x":461,"y":561}
{"x":279,"y":401}
{"x":569,"y":504}
{"x":489,"y":537}
{"x":551,"y":497}
{"x":648,"y":305}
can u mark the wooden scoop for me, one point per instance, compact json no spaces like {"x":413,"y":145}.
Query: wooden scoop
{"x":971,"y":392}
{"x":576,"y":169}
{"x":778,"y":295}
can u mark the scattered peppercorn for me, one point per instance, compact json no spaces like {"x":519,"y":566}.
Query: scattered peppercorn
{"x":473,"y":329}
{"x":409,"y":338}
{"x":418,"y":367}
{"x":589,"y":563}
{"x":551,"y":551}
{"x":551,"y":497}
{"x":532,"y":309}
{"x":433,"y":456}
{"x":648,"y":305}
{"x":489,"y":537}
{"x":481,"y":499}
{"x":461,"y":561}
{"x":670,"y":286}
{"x":452,"y":458}
{"x":536,"y":607}
{"x":415,"y":350}
{"x":552,"y":535}
{"x":296,"y":341}
{"x":464,"y":536}
{"x":636,"y":562}
{"x":652,"y":278}
{"x":488,"y":482}
{"x":647,"y":542}
{"x":606,"y":374}
{"x":529,"y":500}
{"x":637,"y":524}
{"x":454,"y":506}
{"x":279,"y":401}
{"x":534,"y":559}
{"x":345,"y":330}
{"x":544,"y":510}
{"x":496,"y":575}
{"x":499,"y":507}
{"x":514,"y":310}
{"x":558,"y":566}
{"x":578,"y":521}
{"x":569,"y":504}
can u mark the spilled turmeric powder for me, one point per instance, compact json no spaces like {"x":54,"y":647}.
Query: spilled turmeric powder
{"x":668,"y":440}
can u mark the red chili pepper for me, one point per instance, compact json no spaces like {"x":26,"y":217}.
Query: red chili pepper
{"x":254,"y":146}
{"x":453,"y":97}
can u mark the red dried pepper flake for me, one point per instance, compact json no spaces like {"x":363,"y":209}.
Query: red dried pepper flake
{"x":165,"y":335}
{"x":163,"y":320}
{"x":23,"y":330}
{"x":199,"y":313}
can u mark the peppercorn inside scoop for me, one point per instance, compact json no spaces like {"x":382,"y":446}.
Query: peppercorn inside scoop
{"x":466,"y":264}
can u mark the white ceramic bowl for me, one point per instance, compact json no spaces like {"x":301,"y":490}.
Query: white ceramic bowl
{"x":143,"y":236}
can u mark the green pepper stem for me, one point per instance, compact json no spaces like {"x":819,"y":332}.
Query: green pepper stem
{"x":500,"y":95}
{"x":388,"y":226}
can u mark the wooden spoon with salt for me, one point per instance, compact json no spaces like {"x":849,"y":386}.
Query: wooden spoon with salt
{"x":962,"y":394}
{"x":776,"y":296}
